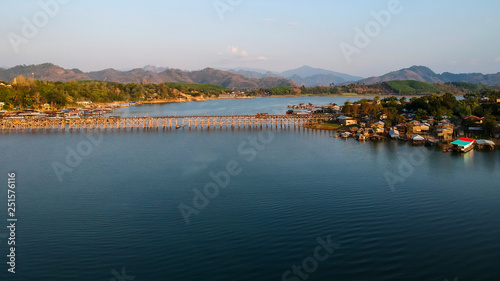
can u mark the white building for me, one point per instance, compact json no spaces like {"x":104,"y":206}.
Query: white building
{"x":84,"y":102}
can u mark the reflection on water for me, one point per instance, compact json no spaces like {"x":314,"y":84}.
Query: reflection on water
{"x":468,"y":158}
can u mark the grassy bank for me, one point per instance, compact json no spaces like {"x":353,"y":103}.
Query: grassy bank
{"x":326,"y":126}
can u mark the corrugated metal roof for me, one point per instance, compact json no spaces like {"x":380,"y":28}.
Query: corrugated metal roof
{"x":485,"y":142}
{"x":466,"y":139}
{"x":460,"y":143}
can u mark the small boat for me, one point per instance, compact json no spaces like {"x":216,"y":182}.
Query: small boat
{"x":375,"y":137}
{"x":177,"y":127}
{"x":345,"y":135}
{"x":430,"y":142}
{"x":394,"y":134}
{"x":361,"y":137}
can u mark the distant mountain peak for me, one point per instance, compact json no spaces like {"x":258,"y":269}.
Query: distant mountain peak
{"x":153,"y":68}
{"x":419,"y":67}
{"x":306,"y":67}
{"x":310,"y":76}
{"x":422,"y":69}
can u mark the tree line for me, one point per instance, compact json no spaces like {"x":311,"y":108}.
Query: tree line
{"x":401,"y":88}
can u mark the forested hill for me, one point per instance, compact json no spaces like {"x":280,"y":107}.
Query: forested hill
{"x":34,"y":93}
{"x":425,"y":74}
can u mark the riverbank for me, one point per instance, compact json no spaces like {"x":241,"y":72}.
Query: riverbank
{"x":167,"y":101}
{"x":351,"y":95}
{"x":340,"y":129}
{"x":326,"y":126}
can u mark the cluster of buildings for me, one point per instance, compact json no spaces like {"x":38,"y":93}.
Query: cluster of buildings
{"x":70,"y":113}
{"x":428,"y":130}
{"x":418,"y":131}
{"x":87,"y":109}
{"x":235,"y":94}
{"x":484,"y":100}
{"x":309,"y":108}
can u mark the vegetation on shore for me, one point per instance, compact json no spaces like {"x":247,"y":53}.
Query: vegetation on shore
{"x":326,"y":126}
{"x":32,"y":93}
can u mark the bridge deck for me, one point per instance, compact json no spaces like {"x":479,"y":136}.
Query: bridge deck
{"x":165,"y":122}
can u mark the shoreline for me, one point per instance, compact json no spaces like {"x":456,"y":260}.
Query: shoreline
{"x":194,"y":99}
{"x":339,"y":128}
{"x":326,"y":127}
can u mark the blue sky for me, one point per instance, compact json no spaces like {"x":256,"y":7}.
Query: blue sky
{"x":456,"y":36}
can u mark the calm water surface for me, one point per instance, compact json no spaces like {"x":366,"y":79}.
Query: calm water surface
{"x":396,"y":212}
{"x":228,"y":107}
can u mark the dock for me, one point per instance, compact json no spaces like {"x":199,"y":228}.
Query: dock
{"x":485,"y":145}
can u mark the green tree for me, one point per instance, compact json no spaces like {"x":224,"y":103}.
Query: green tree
{"x":489,"y":124}
{"x":478,"y":111}
{"x":421,"y":114}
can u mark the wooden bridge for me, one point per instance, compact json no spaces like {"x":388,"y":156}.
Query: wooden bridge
{"x":156,"y":123}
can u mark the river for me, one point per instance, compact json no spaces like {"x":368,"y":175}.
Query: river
{"x":285,"y":204}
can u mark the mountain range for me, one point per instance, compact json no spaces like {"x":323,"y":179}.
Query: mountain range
{"x":241,"y":78}
{"x":51,"y":72}
{"x":305,"y":75}
{"x":425,"y":74}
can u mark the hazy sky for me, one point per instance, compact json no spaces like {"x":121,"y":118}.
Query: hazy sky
{"x":446,"y":35}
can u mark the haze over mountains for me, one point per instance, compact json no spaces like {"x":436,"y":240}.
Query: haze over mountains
{"x":241,"y":78}
{"x":305,"y":75}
